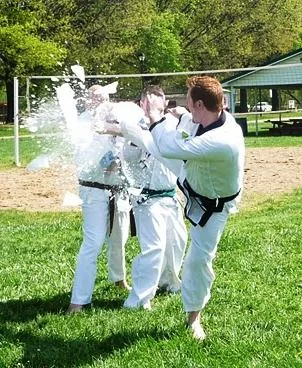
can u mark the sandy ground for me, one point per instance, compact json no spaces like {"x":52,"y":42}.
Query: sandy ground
{"x":268,"y":171}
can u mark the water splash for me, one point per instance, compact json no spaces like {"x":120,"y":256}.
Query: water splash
{"x":79,"y":72}
{"x":68,"y":138}
{"x":66,"y":99}
{"x":71,"y":200}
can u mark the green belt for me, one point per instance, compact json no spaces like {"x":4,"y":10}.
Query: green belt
{"x":159,"y":193}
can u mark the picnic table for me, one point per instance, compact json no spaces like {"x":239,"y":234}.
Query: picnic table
{"x":290,"y":126}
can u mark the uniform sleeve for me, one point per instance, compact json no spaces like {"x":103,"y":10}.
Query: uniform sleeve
{"x":145,"y":140}
{"x":174,"y":144}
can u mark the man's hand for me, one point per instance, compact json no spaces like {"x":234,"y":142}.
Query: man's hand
{"x":178,"y":111}
{"x":108,"y":128}
{"x":154,"y":107}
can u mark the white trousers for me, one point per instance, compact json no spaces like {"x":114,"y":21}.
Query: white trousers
{"x":162,"y":237}
{"x":198,"y":274}
{"x":116,"y":244}
{"x":95,"y":209}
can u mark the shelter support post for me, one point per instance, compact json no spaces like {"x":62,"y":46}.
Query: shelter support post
{"x":232,"y":100}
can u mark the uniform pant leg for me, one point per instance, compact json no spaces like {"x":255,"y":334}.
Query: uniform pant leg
{"x":198,"y":274}
{"x":95,"y":223}
{"x":147,"y":266}
{"x":176,"y":244}
{"x":116,"y":244}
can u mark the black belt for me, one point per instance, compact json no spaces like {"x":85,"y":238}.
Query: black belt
{"x":209,"y":205}
{"x":132,"y":224}
{"x":112,"y":188}
{"x":94,"y":184}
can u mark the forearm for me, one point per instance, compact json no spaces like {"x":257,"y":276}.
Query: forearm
{"x":172,"y":143}
{"x":109,"y":128}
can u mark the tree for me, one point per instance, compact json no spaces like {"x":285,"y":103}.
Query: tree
{"x":21,"y":50}
{"x":238,"y":33}
{"x":103,"y":35}
{"x":161,"y":45}
{"x":106,"y":36}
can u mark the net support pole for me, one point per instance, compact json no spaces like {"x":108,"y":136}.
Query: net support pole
{"x":27,"y":95}
{"x":16,"y":121}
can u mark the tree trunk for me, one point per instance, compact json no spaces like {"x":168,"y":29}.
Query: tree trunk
{"x":10,"y":100}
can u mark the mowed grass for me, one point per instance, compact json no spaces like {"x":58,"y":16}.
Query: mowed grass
{"x":254,"y":318}
{"x":29,"y":148}
{"x":264,"y":140}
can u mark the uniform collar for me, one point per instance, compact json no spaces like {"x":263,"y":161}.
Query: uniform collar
{"x":216,"y":124}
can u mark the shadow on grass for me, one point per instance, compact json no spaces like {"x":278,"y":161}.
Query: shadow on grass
{"x":108,"y":304}
{"x":53,"y":351}
{"x":26,"y":310}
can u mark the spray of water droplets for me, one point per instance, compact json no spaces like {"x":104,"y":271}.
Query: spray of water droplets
{"x":67,"y":133}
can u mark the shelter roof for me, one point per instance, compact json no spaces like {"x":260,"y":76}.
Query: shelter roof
{"x":285,"y":70}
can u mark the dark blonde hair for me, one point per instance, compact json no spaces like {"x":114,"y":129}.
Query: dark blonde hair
{"x":152,"y":90}
{"x":207,"y":89}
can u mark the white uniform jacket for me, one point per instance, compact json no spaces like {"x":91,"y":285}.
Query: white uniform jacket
{"x":94,"y":155}
{"x":147,"y":169}
{"x":212,"y":172}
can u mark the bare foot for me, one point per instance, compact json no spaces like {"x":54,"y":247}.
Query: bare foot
{"x":122,"y":284}
{"x":195,"y":326}
{"x":146,"y":306}
{"x":74,"y":308}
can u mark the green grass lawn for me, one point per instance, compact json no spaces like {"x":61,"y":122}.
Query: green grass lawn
{"x":7,"y":130}
{"x":265,"y":140}
{"x":252,"y":320}
{"x":29,"y":148}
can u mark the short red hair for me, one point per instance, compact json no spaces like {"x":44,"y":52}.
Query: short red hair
{"x":208,"y":90}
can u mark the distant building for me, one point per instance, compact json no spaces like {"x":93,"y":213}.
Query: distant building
{"x":278,"y":74}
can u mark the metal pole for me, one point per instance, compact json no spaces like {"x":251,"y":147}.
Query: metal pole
{"x":141,"y":58}
{"x":16,"y":121}
{"x":27,"y":96}
{"x":142,"y":72}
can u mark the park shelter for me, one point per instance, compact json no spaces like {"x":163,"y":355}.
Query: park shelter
{"x":284,"y":72}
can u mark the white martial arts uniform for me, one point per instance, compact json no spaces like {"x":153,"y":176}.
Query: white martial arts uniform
{"x":160,"y":229}
{"x":97,"y":185}
{"x":212,"y":174}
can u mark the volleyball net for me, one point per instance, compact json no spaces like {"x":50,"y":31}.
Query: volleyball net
{"x":243,"y":89}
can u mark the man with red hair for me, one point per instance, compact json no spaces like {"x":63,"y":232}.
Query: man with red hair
{"x":211,"y":179}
